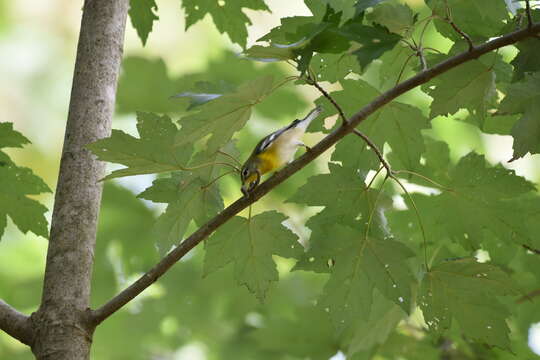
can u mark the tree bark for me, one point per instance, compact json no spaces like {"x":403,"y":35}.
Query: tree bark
{"x":15,"y":324}
{"x":62,"y":329}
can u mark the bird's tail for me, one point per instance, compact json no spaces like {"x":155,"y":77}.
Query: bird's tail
{"x":304,"y":123}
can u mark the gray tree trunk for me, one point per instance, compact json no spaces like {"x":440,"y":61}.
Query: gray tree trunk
{"x":62,"y":330}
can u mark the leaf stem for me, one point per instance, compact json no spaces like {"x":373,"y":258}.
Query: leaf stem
{"x":375,"y":149}
{"x":216,"y":179}
{"x":418,"y":217}
{"x":442,"y":187}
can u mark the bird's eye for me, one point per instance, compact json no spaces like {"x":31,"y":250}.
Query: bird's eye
{"x":245,"y":173}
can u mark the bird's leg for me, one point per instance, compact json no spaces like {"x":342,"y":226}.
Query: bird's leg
{"x":299,"y":143}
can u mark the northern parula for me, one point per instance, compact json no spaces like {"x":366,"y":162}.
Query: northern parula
{"x":274,"y":151}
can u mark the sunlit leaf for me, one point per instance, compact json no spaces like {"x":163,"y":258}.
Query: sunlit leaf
{"x":154,"y":152}
{"x":224,"y":116}
{"x":142,"y":15}
{"x":15,"y":184}
{"x":227,"y":15}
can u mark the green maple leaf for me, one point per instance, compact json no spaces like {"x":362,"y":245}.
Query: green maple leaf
{"x":227,"y":15}
{"x":250,"y":244}
{"x":374,"y":41}
{"x":491,"y":203}
{"x":358,"y":261}
{"x":527,"y":59}
{"x":344,"y":191}
{"x":383,"y":319}
{"x":362,"y":5}
{"x":466,"y":291}
{"x":334,"y":67}
{"x":15,"y":184}
{"x":524,"y":97}
{"x":397,"y":18}
{"x":361,"y":264}
{"x":189,"y":198}
{"x":526,"y":132}
{"x":142,"y":17}
{"x":10,"y":137}
{"x":224,"y":116}
{"x":394,"y":65}
{"x":397,"y":124}
{"x":471,"y":16}
{"x":269,"y":53}
{"x":154,"y":152}
{"x":521,"y":95}
{"x":469,"y":86}
{"x":304,"y":35}
{"x":345,"y":7}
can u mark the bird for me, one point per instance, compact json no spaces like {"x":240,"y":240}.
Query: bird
{"x":274,"y":151}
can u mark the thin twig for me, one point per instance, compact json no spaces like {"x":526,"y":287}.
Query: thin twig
{"x":126,"y":295}
{"x":529,"y":297}
{"x":433,"y":49}
{"x":374,"y":177}
{"x":449,"y":20}
{"x":442,"y":187}
{"x":312,"y":81}
{"x":230,"y":157}
{"x":403,"y":67}
{"x":531,"y":249}
{"x":356,"y":131}
{"x":420,"y":54}
{"x":529,"y":16}
{"x":216,"y":179}
{"x":375,"y":149}
{"x":417,"y":216}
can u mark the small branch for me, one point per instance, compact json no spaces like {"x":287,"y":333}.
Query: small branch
{"x":364,"y":137}
{"x":528,"y":296}
{"x":311,"y":80}
{"x":15,"y":323}
{"x":529,"y":16}
{"x":330,"y":140}
{"x":531,"y":249}
{"x":455,"y":27}
{"x":376,"y":150}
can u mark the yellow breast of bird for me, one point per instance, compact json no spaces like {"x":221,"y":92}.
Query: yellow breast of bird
{"x":281,"y":151}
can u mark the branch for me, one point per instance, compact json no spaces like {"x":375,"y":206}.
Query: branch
{"x":531,"y":249}
{"x":311,"y":80}
{"x":15,"y":324}
{"x":529,"y":296}
{"x":528,"y":11}
{"x":199,"y":235}
{"x":376,"y":150}
{"x":456,"y":28}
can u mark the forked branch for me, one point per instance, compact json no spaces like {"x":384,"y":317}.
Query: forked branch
{"x":455,"y":27}
{"x":330,"y":140}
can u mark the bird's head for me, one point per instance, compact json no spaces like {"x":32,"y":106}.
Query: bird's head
{"x":250,"y":177}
